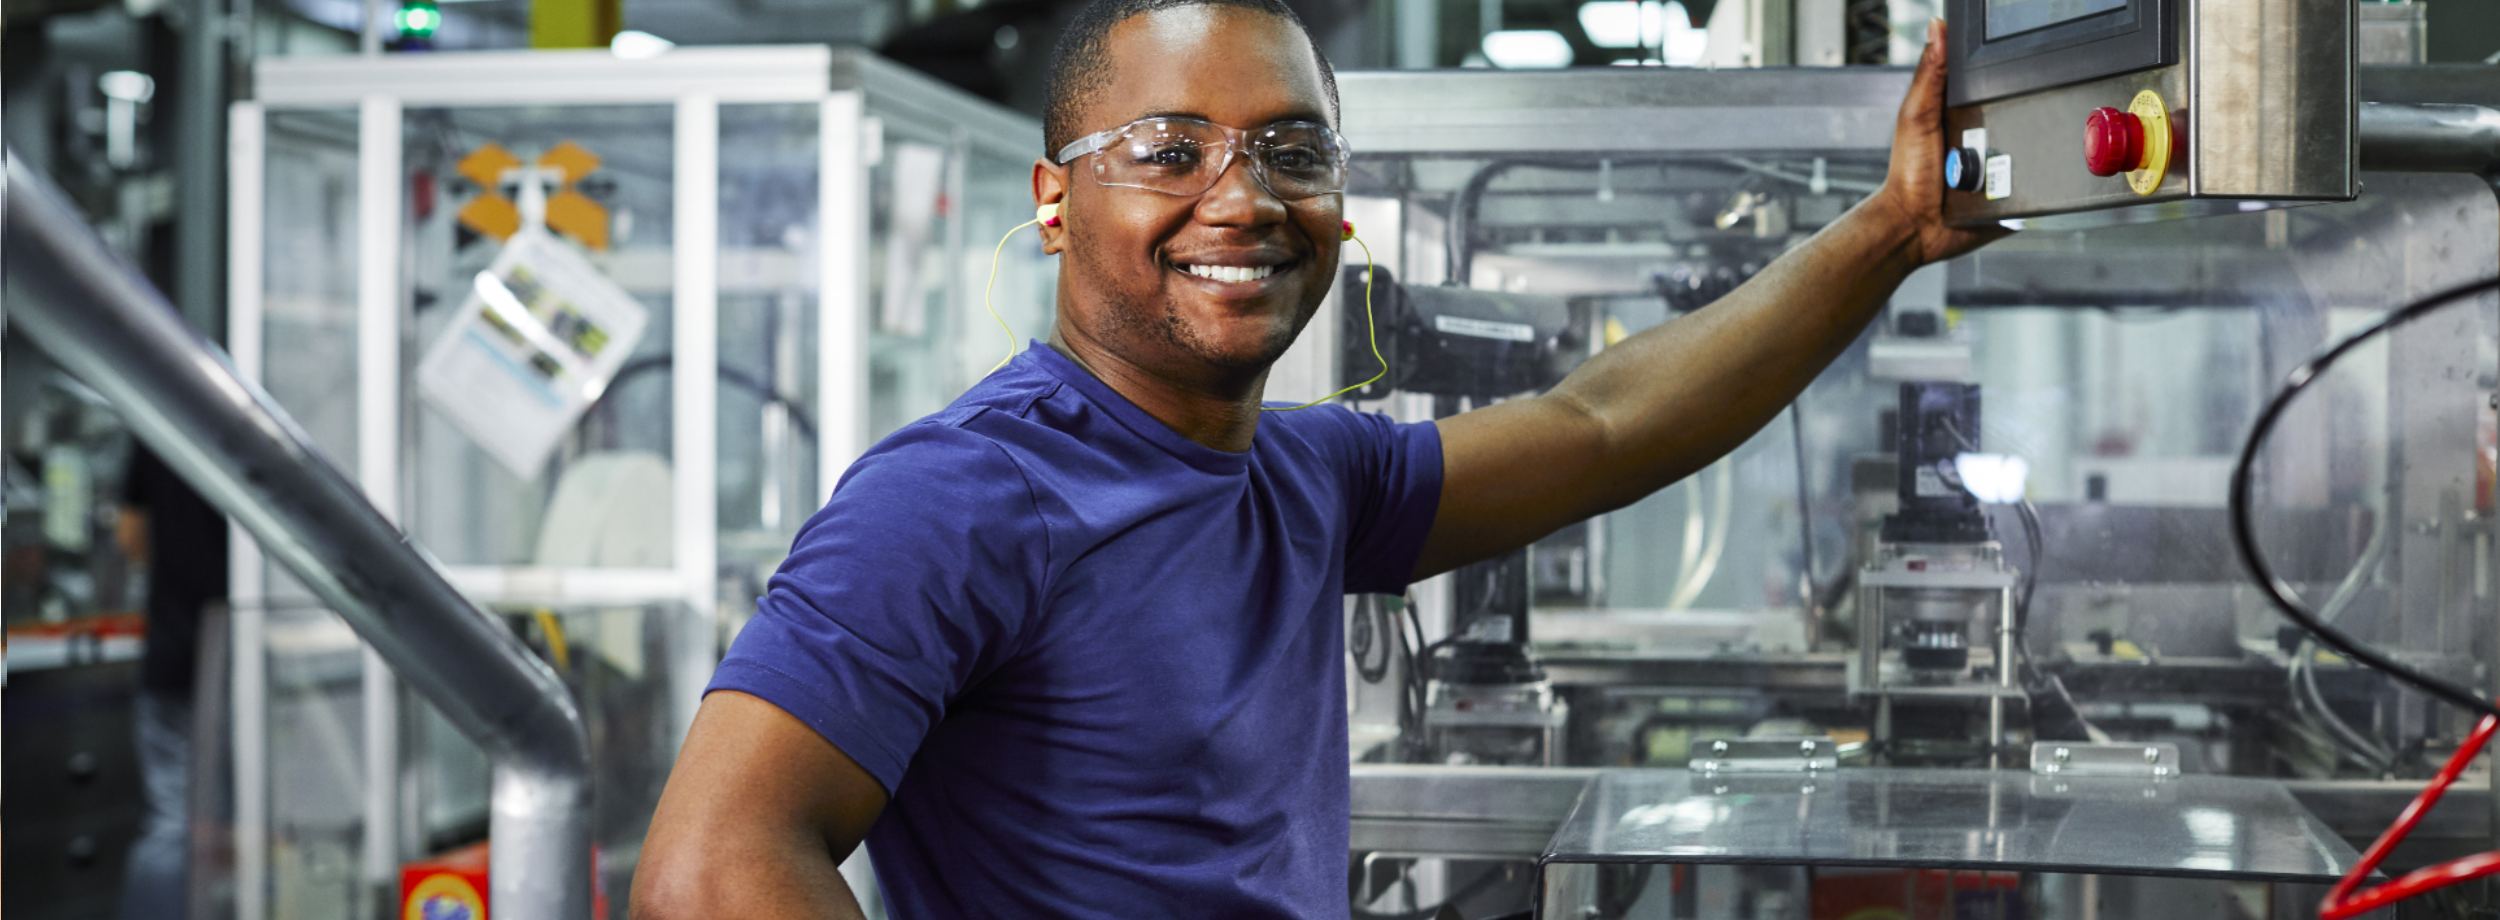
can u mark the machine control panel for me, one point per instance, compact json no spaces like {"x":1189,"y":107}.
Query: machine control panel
{"x":2088,"y":112}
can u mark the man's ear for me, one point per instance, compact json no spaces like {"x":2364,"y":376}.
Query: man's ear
{"x":1050,"y":186}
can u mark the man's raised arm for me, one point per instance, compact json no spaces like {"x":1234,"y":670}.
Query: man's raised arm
{"x":1663,"y":404}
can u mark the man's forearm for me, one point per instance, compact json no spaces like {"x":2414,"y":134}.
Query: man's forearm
{"x":1672,"y":399}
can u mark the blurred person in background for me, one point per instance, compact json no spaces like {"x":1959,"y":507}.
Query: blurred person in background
{"x":181,"y":541}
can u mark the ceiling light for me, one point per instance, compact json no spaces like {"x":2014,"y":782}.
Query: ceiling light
{"x":1684,"y":44}
{"x":1621,"y":23}
{"x":1645,"y":24}
{"x":636,"y":45}
{"x":127,"y":86}
{"x":1526,"y":49}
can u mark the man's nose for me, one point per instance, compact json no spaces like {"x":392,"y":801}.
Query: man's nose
{"x":1238,"y":198}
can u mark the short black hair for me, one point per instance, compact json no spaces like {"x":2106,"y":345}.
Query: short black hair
{"x":1078,"y":66}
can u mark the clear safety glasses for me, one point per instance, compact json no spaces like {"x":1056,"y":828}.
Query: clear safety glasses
{"x":1293,"y":160}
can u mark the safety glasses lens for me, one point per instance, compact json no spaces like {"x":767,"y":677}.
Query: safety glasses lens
{"x":1178,"y":157}
{"x":1183,"y":157}
{"x":1301,"y":159}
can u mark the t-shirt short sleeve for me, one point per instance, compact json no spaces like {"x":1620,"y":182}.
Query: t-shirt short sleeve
{"x":1393,"y":492}
{"x":914,"y":581}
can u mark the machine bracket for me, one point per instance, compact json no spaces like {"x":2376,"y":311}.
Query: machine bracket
{"x":2066,"y":758}
{"x":1766,"y":755}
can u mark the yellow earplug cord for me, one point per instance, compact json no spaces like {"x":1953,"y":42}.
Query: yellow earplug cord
{"x":993,"y":286}
{"x":1370,"y":328}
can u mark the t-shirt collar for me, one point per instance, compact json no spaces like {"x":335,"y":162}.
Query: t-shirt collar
{"x":1137,"y":420}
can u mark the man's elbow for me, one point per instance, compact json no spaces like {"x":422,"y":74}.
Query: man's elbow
{"x":729,"y":882}
{"x":673,"y":886}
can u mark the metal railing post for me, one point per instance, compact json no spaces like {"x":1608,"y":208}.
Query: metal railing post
{"x":100,"y":320}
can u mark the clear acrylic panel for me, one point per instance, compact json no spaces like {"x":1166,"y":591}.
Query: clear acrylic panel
{"x":1791,"y":892}
{"x":464,"y":506}
{"x":998,"y":196}
{"x":2132,"y":406}
{"x":1627,"y":243}
{"x":2120,"y":366}
{"x":315,"y":665}
{"x":615,"y":661}
{"x":938,"y":204}
{"x":308,"y":300}
{"x":316,"y":765}
{"x":1935,"y":843}
{"x":770,"y":300}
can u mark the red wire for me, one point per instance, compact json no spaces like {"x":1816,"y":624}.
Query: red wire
{"x":2342,"y":903}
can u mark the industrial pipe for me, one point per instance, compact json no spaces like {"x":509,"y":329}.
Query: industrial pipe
{"x":2424,"y":137}
{"x":99,"y":319}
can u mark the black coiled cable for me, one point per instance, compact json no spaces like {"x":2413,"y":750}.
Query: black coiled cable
{"x":2244,"y":531}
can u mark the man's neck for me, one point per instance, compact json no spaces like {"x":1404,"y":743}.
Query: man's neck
{"x":1219,"y":414}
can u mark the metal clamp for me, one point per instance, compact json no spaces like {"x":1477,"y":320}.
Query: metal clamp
{"x":1766,"y":755}
{"x":2066,"y":758}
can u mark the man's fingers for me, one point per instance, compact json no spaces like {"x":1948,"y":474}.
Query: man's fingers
{"x":1927,"y":84}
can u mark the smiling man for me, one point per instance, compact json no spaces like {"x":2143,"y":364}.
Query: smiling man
{"x":1073,"y":646}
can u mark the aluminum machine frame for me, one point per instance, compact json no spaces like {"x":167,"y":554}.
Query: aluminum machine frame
{"x":855,"y":95}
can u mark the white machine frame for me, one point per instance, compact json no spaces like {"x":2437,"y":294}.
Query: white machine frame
{"x":696,"y":81}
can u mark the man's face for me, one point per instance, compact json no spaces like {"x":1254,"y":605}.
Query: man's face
{"x":1125,"y":284}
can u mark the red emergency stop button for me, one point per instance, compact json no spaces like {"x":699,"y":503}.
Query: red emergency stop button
{"x":2113,"y":142}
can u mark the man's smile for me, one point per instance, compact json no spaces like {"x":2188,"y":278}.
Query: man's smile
{"x":1236,"y":275}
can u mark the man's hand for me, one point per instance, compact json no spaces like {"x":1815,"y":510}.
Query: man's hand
{"x":1913,"y":191}
{"x":1663,"y":404}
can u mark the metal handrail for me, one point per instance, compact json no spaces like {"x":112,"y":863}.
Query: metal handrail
{"x":103,"y":322}
{"x":2422,"y":137}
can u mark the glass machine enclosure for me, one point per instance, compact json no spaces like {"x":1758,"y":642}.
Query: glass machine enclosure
{"x":808,"y":229}
{"x":2095,"y":381}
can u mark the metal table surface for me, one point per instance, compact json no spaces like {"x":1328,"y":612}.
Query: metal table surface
{"x":2193,"y":826}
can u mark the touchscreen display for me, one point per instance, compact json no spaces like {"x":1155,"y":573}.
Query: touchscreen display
{"x":2009,"y":17}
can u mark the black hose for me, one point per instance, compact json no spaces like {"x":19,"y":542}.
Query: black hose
{"x":2243,"y":526}
{"x":1411,"y":715}
{"x":1368,"y":630}
{"x":800,"y":420}
{"x":1459,"y":243}
{"x":2053,"y":707}
{"x":1868,"y":32}
{"x":1473,"y":888}
{"x":1460,"y":257}
{"x":1805,"y":515}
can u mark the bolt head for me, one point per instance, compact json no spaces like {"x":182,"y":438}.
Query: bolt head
{"x":2152,"y":755}
{"x":1718,"y":747}
{"x":1806,"y":748}
{"x":2062,"y":755}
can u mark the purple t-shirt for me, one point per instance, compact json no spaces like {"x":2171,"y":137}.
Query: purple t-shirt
{"x":1098,"y":666}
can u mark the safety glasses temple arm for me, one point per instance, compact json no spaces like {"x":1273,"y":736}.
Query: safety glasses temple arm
{"x":1088,"y":144}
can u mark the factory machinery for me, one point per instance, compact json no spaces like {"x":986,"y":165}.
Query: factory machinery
{"x":1965,"y":633}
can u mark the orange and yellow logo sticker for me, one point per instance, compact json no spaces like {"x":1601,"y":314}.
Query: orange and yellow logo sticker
{"x":444,"y":897}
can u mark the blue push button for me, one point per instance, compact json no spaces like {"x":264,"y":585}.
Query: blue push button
{"x":1961,"y":169}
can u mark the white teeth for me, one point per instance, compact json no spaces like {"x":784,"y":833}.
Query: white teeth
{"x":1231,"y":273}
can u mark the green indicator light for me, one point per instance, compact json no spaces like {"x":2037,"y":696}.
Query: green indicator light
{"x":418,"y":19}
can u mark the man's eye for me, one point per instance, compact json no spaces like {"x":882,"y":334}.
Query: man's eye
{"x":1170,"y":156}
{"x":1295,"y":159}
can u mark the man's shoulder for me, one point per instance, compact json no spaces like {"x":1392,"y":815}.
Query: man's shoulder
{"x":933,"y":479}
{"x":937,"y":446}
{"x":1332,"y":429}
